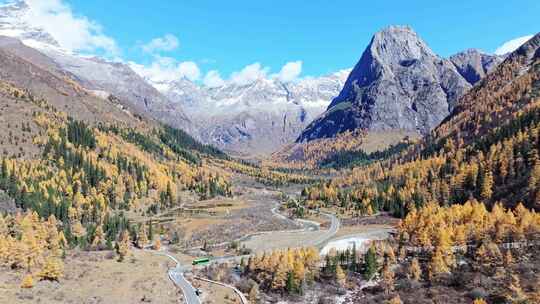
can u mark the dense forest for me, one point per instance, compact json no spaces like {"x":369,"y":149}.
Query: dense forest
{"x":462,"y":160}
{"x":78,"y":191}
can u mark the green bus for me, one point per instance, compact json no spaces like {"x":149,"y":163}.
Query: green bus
{"x":201,"y":261}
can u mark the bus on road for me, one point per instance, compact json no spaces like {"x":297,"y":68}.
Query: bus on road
{"x":201,"y":261}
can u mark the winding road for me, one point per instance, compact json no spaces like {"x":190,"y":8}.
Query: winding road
{"x":176,"y":275}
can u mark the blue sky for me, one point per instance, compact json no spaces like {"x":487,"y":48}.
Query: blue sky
{"x":318,"y":37}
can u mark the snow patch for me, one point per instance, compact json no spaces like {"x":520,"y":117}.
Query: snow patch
{"x":347,"y":243}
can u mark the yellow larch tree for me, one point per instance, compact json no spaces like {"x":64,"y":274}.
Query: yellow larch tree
{"x":99,"y":238}
{"x":280,"y":276}
{"x":123,"y":246}
{"x":52,"y":270}
{"x":27,"y":282}
{"x":142,"y":236}
{"x":340,"y":275}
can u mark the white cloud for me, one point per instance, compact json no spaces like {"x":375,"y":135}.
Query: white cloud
{"x":166,"y":69}
{"x":190,"y":70}
{"x":75,"y":33}
{"x":290,"y":71}
{"x":168,"y":42}
{"x":213,"y":79}
{"x":512,"y":45}
{"x":253,"y":72}
{"x":249,"y":74}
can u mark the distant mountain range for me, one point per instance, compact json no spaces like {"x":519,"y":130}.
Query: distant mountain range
{"x":399,"y":84}
{"x":258,"y":117}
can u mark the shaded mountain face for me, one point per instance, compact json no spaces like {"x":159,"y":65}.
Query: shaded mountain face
{"x":473,"y":64}
{"x":95,"y":74}
{"x":398,"y":84}
{"x":257,"y":118}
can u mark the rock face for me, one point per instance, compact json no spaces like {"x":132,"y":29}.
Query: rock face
{"x":398,"y":84}
{"x":255,"y":118}
{"x":473,"y":64}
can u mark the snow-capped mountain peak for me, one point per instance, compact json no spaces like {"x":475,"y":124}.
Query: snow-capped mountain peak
{"x":93,"y":73}
{"x":259,"y":116}
{"x":15,"y":21}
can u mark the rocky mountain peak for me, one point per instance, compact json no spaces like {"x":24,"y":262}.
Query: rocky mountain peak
{"x":474,"y":64}
{"x":14,"y":18}
{"x":256,"y":117}
{"x":398,"y":84}
{"x":397,"y":43}
{"x":530,"y":49}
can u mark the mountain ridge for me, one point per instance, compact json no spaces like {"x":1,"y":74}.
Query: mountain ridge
{"x":108,"y":79}
{"x":420,"y":89}
{"x":255,"y":118}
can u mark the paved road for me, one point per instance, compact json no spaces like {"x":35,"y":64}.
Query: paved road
{"x":330,"y":233}
{"x":176,"y":275}
{"x":308,"y":239}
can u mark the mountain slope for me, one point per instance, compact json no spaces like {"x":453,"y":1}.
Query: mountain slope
{"x":504,"y":93}
{"x":44,"y":80}
{"x":76,"y":169}
{"x":95,"y":74}
{"x":398,"y":84}
{"x":487,"y":150}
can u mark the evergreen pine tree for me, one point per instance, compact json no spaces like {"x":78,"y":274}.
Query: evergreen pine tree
{"x":370,"y":263}
{"x":290,"y":285}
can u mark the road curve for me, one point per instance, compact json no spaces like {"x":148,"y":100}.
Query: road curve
{"x":331,"y":232}
{"x":176,"y":275}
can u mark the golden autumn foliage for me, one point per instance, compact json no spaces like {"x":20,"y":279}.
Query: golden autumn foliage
{"x":514,"y":291}
{"x":272,"y":270}
{"x":27,"y":282}
{"x":52,"y":270}
{"x":28,"y":243}
{"x":394,"y":300}
{"x":443,"y":231}
{"x":415,"y":272}
{"x":157,"y":245}
{"x":84,"y":179}
{"x":123,"y":246}
{"x":487,"y":150}
{"x":340,"y":275}
{"x":310,"y":154}
{"x":132,"y":164}
{"x":99,"y":238}
{"x":142,"y":236}
{"x":265,"y":174}
{"x":473,"y":220}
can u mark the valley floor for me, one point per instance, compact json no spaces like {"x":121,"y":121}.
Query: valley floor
{"x":251,"y":218}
